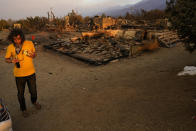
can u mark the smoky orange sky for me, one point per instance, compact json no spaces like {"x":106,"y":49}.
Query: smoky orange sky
{"x":18,"y":9}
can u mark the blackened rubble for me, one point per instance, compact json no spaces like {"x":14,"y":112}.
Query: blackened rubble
{"x":95,"y":51}
{"x":104,"y":46}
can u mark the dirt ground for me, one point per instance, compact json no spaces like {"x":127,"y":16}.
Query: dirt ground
{"x":132,"y":94}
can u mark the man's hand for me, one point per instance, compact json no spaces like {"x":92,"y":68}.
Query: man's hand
{"x":15,"y":61}
{"x":32,"y":54}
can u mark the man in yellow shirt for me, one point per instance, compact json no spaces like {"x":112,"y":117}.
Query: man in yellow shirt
{"x":21,"y":53}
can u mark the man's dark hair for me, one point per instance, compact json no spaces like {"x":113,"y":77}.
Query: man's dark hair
{"x":14,"y":33}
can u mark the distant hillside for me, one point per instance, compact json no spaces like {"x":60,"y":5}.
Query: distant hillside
{"x":145,"y":4}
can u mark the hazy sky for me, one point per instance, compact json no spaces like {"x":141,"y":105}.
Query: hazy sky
{"x":17,"y":9}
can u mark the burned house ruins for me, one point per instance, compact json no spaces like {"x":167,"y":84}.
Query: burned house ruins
{"x":110,"y":38}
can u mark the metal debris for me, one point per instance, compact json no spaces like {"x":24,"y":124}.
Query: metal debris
{"x":168,"y":39}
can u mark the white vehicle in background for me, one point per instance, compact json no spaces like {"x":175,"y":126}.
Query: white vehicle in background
{"x":5,"y":118}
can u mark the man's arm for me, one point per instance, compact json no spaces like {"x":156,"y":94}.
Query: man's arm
{"x":32,"y":53}
{"x":8,"y":56}
{"x":9,"y":60}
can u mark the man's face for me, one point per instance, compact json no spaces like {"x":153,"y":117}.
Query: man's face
{"x":17,"y":39}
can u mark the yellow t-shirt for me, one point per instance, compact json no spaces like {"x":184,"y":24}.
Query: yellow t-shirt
{"x":26,"y":62}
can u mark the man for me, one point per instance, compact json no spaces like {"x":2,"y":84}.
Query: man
{"x":21,"y":53}
{"x":5,"y":119}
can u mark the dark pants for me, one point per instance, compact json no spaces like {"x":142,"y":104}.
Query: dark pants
{"x":20,"y":83}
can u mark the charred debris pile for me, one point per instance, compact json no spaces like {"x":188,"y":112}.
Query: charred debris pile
{"x":97,"y":49}
{"x":102,"y":45}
